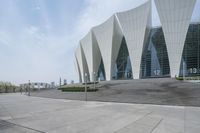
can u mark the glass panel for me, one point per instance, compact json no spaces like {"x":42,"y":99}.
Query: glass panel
{"x":155,"y":61}
{"x":190,"y":64}
{"x":101,"y":72}
{"x":123,"y":69}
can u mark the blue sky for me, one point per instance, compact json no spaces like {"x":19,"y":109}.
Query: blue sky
{"x":38,"y":37}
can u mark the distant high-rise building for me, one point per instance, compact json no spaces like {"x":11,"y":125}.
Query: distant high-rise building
{"x":65,"y":82}
{"x":52,"y":84}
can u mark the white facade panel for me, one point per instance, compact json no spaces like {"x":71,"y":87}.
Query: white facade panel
{"x":116,"y":43}
{"x":96,"y":56}
{"x":103,"y":34}
{"x":78,"y":70}
{"x":92,"y":54}
{"x":175,"y":17}
{"x":82,"y":63}
{"x":79,"y":61}
{"x":86,"y":43}
{"x":109,"y":38}
{"x":134,"y":24}
{"x":86,"y":73}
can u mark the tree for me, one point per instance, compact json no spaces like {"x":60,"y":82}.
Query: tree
{"x":6,"y":86}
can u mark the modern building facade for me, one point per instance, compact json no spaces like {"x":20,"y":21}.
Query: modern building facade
{"x":127,"y":46}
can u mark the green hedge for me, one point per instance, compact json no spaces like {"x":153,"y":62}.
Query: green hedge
{"x":179,"y":78}
{"x":76,"y":89}
{"x":188,"y":78}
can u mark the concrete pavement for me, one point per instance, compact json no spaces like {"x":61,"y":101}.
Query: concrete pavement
{"x":23,"y":114}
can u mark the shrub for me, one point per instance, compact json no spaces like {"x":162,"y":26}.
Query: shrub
{"x":76,"y":89}
{"x":188,"y":78}
{"x":179,"y":78}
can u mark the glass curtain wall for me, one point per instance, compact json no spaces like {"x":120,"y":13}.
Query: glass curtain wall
{"x":101,"y":72}
{"x":155,"y":61}
{"x":123,"y":69}
{"x":190,"y":65}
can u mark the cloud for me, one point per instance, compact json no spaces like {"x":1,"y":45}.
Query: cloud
{"x":35,"y":55}
{"x":196,"y":14}
{"x":4,"y":38}
{"x":98,"y":11}
{"x":32,"y":29}
{"x":37,"y":8}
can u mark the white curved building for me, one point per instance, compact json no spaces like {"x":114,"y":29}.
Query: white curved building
{"x":127,"y":46}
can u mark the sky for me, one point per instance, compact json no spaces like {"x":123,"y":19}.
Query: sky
{"x":38,"y":38}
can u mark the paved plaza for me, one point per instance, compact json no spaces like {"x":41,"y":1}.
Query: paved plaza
{"x":24,"y":114}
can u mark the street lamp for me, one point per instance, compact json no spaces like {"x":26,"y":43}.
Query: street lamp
{"x":86,"y":86}
{"x":29,"y":87}
{"x":183,"y":70}
{"x":94,"y":79}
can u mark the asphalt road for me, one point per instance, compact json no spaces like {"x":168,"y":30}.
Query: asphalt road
{"x":163,"y":91}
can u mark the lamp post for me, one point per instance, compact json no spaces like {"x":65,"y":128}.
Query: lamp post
{"x":94,"y":79}
{"x":183,"y":71}
{"x":29,"y":87}
{"x":86,"y":86}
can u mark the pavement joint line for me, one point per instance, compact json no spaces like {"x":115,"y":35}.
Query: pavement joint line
{"x":134,"y":121}
{"x":18,"y":125}
{"x":93,"y":118}
{"x":96,"y":116}
{"x":7,"y":111}
{"x":68,"y":125}
{"x":103,"y":115}
{"x":156,"y":125}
